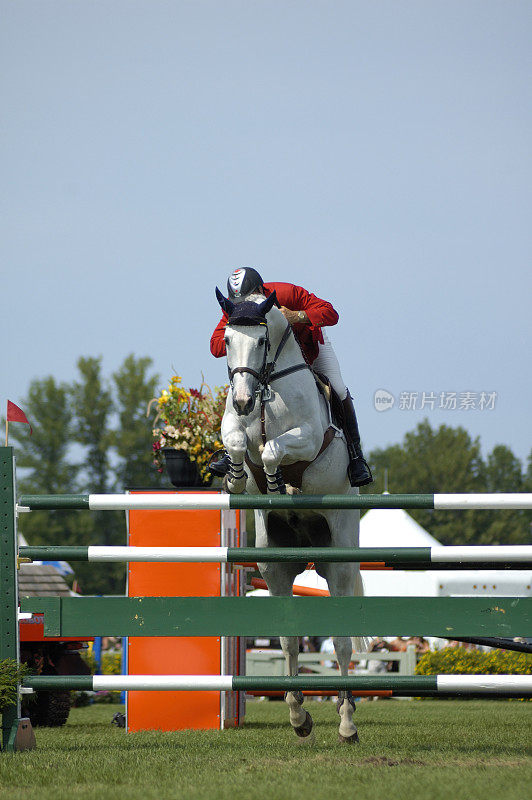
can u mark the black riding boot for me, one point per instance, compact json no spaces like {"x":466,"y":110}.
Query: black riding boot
{"x":221,"y":466}
{"x":358,"y":471}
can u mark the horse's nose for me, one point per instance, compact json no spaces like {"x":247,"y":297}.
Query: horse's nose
{"x":244,"y":405}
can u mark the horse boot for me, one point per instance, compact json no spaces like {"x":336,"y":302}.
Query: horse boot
{"x":358,"y":470}
{"x":220,"y":468}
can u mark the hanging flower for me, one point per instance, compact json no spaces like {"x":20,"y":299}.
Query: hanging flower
{"x":192,"y":420}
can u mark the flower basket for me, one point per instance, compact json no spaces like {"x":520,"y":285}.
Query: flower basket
{"x":183,"y":472}
{"x":190,"y":432}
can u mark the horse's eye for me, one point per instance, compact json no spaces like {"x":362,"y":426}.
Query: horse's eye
{"x":261,"y":341}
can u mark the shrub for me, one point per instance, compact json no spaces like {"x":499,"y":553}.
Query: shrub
{"x":111,"y":664}
{"x":11,"y":675}
{"x":462,"y":661}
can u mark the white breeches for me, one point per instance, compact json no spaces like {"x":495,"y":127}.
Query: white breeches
{"x":327,"y":363}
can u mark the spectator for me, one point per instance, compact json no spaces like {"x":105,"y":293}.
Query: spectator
{"x":420,"y":643}
{"x":327,"y":646}
{"x":378,"y":646}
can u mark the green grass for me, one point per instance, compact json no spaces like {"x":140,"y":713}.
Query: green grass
{"x":408,"y":751}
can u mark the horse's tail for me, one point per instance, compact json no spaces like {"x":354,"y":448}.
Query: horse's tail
{"x":360,"y":643}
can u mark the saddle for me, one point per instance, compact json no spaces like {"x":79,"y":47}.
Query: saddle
{"x":293,"y":473}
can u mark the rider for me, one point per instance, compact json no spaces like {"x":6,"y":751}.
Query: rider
{"x":308,"y":315}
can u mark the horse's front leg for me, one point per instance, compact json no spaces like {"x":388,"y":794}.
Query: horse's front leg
{"x":300,"y":444}
{"x":235,"y":442}
{"x":280,"y":579}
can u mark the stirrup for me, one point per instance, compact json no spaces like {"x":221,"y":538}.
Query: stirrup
{"x":221,"y":467}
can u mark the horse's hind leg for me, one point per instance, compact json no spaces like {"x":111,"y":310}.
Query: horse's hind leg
{"x":343,"y":581}
{"x":300,"y":720}
{"x":280,"y":578}
{"x":347,"y":731}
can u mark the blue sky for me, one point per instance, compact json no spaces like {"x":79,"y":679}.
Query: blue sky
{"x":377,"y":153}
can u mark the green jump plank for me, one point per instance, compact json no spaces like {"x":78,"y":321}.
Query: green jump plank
{"x":265,"y":682}
{"x":396,"y":685}
{"x":49,"y":502}
{"x":445,"y":617}
{"x":243,"y":501}
{"x":420,"y":555}
{"x":393,"y":557}
{"x":361,"y":501}
{"x":191,"y":501}
{"x":324,"y":682}
{"x":390,"y":555}
{"x":58,"y":682}
{"x":54,"y":553}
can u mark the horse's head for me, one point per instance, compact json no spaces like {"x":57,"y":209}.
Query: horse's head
{"x":247,"y":343}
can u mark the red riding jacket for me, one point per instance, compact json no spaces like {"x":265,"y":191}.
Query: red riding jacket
{"x":295,"y":298}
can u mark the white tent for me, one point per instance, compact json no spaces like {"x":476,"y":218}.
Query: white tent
{"x":396,"y":528}
{"x":393,"y":527}
{"x":387,"y":528}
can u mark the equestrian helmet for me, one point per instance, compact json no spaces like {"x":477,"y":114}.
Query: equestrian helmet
{"x":242,"y":282}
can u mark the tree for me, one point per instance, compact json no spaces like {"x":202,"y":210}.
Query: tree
{"x":528,"y":477}
{"x":503,"y":473}
{"x":92,"y":406}
{"x":448,"y":460}
{"x":86,"y":440}
{"x":434,"y":461}
{"x":43,"y":458}
{"x":132,"y":439}
{"x":44,"y":454}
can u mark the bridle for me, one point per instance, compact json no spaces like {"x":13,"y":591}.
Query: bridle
{"x":266,"y":376}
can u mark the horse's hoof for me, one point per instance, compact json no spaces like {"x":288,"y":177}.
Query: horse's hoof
{"x":353,"y":739}
{"x":304,"y":730}
{"x":305,"y":741}
{"x":292,"y":489}
{"x":236,"y":487}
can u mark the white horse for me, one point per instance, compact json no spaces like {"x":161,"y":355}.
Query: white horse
{"x":269,"y":379}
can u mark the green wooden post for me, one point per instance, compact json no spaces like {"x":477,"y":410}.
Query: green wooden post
{"x":9,"y":644}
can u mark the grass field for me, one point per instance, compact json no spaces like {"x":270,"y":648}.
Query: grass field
{"x":409,"y":750}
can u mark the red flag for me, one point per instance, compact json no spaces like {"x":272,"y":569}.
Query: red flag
{"x":16,"y":414}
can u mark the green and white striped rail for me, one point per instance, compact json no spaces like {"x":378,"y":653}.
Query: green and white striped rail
{"x":511,"y":557}
{"x":517,"y":685}
{"x":130,"y":502}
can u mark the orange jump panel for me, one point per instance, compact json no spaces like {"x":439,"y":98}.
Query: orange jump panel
{"x":174,"y":655}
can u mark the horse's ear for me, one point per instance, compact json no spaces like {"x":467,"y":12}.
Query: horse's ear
{"x":269,"y":303}
{"x":225,"y":303}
